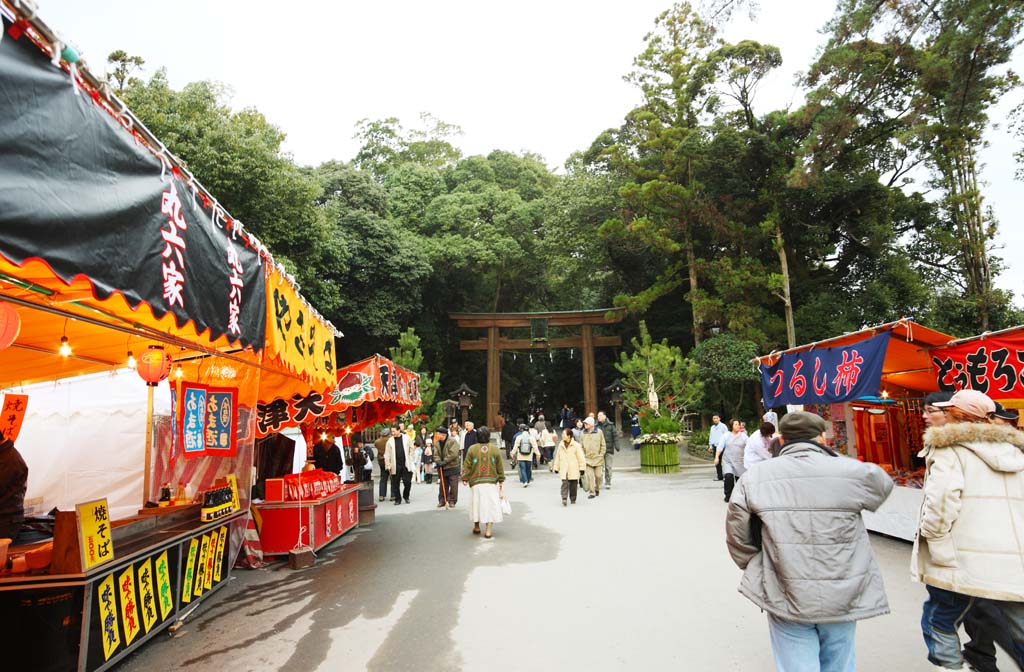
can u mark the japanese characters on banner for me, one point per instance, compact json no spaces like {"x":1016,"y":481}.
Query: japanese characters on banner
{"x":302,"y":341}
{"x":994,"y":366}
{"x":826,"y":375}
{"x":12,"y":415}
{"x":364,"y":392}
{"x":209,"y":417}
{"x":95,"y":542}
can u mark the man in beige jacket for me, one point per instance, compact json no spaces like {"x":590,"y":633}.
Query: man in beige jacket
{"x":969,"y":550}
{"x":594,"y":448}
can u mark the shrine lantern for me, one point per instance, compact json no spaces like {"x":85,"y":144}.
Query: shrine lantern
{"x":154,"y":365}
{"x":10,"y":325}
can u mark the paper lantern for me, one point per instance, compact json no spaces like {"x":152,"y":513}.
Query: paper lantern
{"x":10,"y":325}
{"x":154,"y":365}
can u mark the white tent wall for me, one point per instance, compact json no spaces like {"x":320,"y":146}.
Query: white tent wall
{"x":84,"y":438}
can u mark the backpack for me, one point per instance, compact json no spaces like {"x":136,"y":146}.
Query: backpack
{"x":524,"y":444}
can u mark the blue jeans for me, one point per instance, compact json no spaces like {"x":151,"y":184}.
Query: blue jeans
{"x":808,"y":647}
{"x":525,"y":470}
{"x":941,"y":616}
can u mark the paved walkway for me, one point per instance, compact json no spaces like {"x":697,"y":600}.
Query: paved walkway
{"x":638,"y":578}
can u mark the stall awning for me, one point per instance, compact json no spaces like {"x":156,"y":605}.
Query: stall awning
{"x":992,"y":363}
{"x":368,"y":392}
{"x":906,"y":361}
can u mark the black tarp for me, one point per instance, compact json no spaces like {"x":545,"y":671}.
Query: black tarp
{"x":79,"y":192}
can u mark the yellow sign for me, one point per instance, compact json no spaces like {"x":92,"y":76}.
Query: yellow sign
{"x":300,"y":340}
{"x":108,"y":616}
{"x":94,"y":539}
{"x":190,"y":566}
{"x":129,"y":607}
{"x":163,"y":584}
{"x":147,"y":598}
{"x":219,"y":558}
{"x":204,"y":548}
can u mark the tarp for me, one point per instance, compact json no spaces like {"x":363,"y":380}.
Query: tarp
{"x":367,"y":392}
{"x":993,"y":364}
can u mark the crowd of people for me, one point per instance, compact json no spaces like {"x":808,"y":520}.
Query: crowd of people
{"x":794,"y":527}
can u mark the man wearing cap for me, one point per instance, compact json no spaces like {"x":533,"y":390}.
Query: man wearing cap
{"x":594,"y":449}
{"x":969,"y":549}
{"x":781,"y":517}
{"x":449,"y":464}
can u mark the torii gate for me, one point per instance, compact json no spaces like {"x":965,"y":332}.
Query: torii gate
{"x":494,"y":343}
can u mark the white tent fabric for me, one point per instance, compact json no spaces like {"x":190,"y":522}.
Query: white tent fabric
{"x":84,"y":438}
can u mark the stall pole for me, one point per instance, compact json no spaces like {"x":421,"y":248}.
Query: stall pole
{"x":146,"y":474}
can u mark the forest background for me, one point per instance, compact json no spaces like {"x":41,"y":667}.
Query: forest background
{"x":729,"y":229}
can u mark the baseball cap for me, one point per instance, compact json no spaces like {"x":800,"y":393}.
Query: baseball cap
{"x":1006,"y":413}
{"x":971,"y":402}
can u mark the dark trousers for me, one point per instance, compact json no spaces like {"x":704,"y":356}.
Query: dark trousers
{"x":730,"y":483}
{"x":403,"y":477}
{"x":428,"y":477}
{"x":991,"y":622}
{"x":382,"y":489}
{"x":569,"y":488}
{"x":718,"y":470}
{"x":448,"y":488}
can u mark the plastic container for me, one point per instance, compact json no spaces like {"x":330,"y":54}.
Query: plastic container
{"x":4,"y":543}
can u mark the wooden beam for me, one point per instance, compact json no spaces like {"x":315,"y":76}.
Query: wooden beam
{"x":551,"y":344}
{"x":493,"y":376}
{"x":589,"y":371}
{"x":555,"y":319}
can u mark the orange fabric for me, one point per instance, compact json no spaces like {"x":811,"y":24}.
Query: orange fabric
{"x":297,"y":340}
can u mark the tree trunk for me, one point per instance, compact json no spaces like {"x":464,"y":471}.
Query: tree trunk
{"x":787,"y":301}
{"x":691,"y":262}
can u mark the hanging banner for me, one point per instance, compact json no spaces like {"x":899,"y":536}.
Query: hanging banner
{"x":12,"y":415}
{"x":221,"y":420}
{"x":365,"y":393}
{"x":826,"y":375}
{"x":193,"y":420}
{"x":89,"y":200}
{"x":994,"y":366}
{"x":300,"y":340}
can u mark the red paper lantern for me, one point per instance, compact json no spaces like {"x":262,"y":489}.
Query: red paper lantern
{"x":10,"y":325}
{"x":154,"y":365}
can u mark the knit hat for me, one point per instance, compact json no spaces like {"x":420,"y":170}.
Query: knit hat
{"x":442,"y":430}
{"x":801,"y":425}
{"x":588,"y":421}
{"x":971,"y":402}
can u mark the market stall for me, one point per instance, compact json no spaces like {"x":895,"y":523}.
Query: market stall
{"x":114,"y":257}
{"x":366,"y":393}
{"x":868,"y":385}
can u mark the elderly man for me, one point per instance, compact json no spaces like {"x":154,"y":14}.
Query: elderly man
{"x":594,"y":449}
{"x":398,"y":457}
{"x":467,"y":438}
{"x":781,"y":515}
{"x":608,"y":428}
{"x":449,"y":465}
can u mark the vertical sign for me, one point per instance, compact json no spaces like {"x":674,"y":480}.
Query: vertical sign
{"x":193,"y":420}
{"x":190,"y":567}
{"x":208,"y":577}
{"x":94,"y":539}
{"x":147,"y":596}
{"x":129,"y":607}
{"x":204,"y":548}
{"x":12,"y":415}
{"x":163,"y":586}
{"x":175,"y":443}
{"x":218,"y":561}
{"x":108,"y":616}
{"x":221,"y":421}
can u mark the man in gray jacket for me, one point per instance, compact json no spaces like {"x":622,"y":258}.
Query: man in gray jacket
{"x":795,"y":528}
{"x":611,"y":445}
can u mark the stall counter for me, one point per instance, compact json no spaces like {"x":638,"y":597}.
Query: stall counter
{"x":322,"y":520}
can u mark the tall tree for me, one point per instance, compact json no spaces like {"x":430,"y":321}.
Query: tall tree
{"x":124,"y":66}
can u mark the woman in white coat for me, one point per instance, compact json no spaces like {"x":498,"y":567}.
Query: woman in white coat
{"x":757,"y":447}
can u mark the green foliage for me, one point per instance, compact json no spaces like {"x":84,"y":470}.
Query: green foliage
{"x":651,"y":423}
{"x":724,"y":364}
{"x":408,"y":354}
{"x":123,"y":68}
{"x":661,"y":368}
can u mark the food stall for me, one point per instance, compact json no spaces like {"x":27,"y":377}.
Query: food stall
{"x":298,"y":511}
{"x":868,"y":385}
{"x":113,"y":256}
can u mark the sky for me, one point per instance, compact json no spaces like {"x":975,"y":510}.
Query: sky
{"x":538,"y":76}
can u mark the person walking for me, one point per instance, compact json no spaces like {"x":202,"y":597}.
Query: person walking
{"x":428,"y":461}
{"x":483,"y":470}
{"x":467,"y":437}
{"x":730,"y":455}
{"x":969,"y":549}
{"x":783,"y":515}
{"x":380,"y":446}
{"x":634,"y":429}
{"x":398,"y":457}
{"x":449,"y":463}
{"x":565,"y":417}
{"x":611,"y":444}
{"x":570,"y":464}
{"x":594,"y":450}
{"x":524,"y":451}
{"x":362,"y":460}
{"x":508,"y":437}
{"x":547,"y":441}
{"x":758,"y":446}
{"x":718,"y":430}
{"x":577,"y":431}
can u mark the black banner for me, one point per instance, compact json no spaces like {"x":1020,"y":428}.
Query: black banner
{"x":80,"y":193}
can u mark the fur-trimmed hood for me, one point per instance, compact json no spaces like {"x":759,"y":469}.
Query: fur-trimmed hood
{"x":1001,"y":447}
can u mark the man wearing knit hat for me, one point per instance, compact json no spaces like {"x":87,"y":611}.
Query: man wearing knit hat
{"x":782,"y":513}
{"x":449,"y":467}
{"x":594,"y":448}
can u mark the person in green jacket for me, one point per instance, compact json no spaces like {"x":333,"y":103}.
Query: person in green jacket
{"x":484,"y":471}
{"x":446,"y":456}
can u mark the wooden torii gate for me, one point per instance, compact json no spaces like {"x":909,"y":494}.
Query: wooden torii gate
{"x":494,"y":343}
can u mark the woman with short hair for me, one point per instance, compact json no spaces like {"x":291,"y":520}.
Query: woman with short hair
{"x":484,"y":470}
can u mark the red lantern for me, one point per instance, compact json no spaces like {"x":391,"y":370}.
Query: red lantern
{"x":10,"y":325}
{"x":154,"y":365}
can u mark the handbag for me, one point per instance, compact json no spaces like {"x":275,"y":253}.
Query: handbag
{"x":506,"y":506}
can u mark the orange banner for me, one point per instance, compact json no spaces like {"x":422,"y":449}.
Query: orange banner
{"x":297,"y":337}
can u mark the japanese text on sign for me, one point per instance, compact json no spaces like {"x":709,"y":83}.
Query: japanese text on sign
{"x":994,"y":366}
{"x":221,"y":421}
{"x":129,"y":607}
{"x":193,"y":419}
{"x":94,"y":538}
{"x":174,"y":247}
{"x":147,"y":595}
{"x":12,"y":415}
{"x":237,"y":285}
{"x":108,"y":616}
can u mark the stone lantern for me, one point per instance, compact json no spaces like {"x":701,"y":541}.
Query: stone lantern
{"x":465,"y":397}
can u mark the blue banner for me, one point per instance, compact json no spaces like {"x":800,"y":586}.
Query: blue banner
{"x":221,"y":417}
{"x":826,"y":375}
{"x":193,"y":420}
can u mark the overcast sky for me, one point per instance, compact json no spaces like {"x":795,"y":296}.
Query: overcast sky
{"x":540,"y":76}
